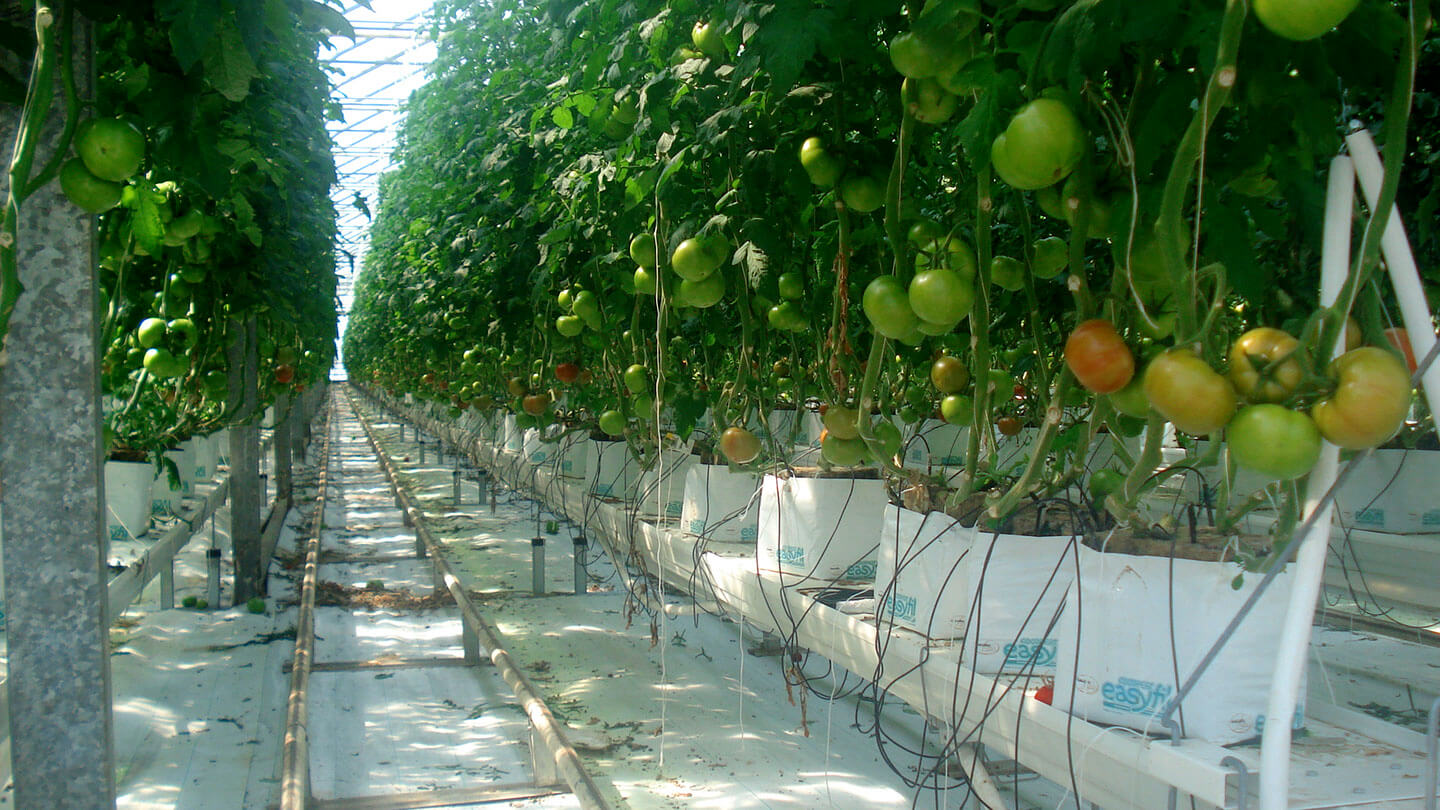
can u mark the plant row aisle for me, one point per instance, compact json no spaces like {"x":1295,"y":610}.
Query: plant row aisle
{"x":1034,"y":269}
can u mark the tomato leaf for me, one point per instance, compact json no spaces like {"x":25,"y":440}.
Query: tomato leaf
{"x":979,"y":128}
{"x":192,"y":26}
{"x":1230,"y":238}
{"x":228,"y":66}
{"x":147,"y":226}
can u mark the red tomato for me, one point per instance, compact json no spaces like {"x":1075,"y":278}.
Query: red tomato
{"x":567,"y":372}
{"x":739,"y":445}
{"x":535,"y":404}
{"x":1400,"y":339}
{"x":1098,"y":357}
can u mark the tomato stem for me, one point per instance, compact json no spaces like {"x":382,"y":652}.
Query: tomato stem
{"x":1169,"y":225}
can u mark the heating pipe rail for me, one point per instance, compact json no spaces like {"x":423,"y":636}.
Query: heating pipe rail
{"x":551,"y":737}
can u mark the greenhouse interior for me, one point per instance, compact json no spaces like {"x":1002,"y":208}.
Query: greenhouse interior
{"x":732,"y":404}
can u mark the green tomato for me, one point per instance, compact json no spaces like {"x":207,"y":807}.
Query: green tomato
{"x":1274,"y":441}
{"x":786,"y":315}
{"x":642,"y":249}
{"x":704,"y":293}
{"x":924,"y":231}
{"x":90,"y":193}
{"x":644,"y":281}
{"x":1131,"y":400}
{"x":587,"y":306}
{"x":1007,"y":273}
{"x":111,"y":148}
{"x":1040,"y":147}
{"x":958,"y":410}
{"x":693,"y":259}
{"x":887,"y":305}
{"x":820,"y":164}
{"x":637,"y":379}
{"x":707,"y":39}
{"x":569,"y":325}
{"x":940,"y":296}
{"x":1051,"y":256}
{"x":862,"y":193}
{"x":162,"y":364}
{"x":1103,"y":483}
{"x":792,"y":286}
{"x":842,"y":452}
{"x":189,"y":335}
{"x":612,"y":422}
{"x":887,"y":436}
{"x":1302,"y":19}
{"x":928,"y":101}
{"x":953,"y":254}
{"x":150,"y":332}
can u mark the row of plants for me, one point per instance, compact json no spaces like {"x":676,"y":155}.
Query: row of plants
{"x":203,"y":151}
{"x":1068,"y":222}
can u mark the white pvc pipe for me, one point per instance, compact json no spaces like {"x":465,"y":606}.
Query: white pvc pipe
{"x":1403,"y":273}
{"x":1309,"y":567}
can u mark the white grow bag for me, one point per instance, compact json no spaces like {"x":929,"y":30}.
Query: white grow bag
{"x":127,"y":499}
{"x":937,"y":443}
{"x":1119,"y":667}
{"x":822,"y":529}
{"x":202,"y":458}
{"x":533,"y":447}
{"x":1015,"y":587}
{"x":610,"y":469}
{"x":569,"y":456}
{"x":512,"y":439}
{"x":660,"y":489}
{"x":1392,"y":491}
{"x":919,"y":581}
{"x":720,"y":504}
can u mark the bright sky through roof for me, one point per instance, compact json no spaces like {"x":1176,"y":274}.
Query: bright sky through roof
{"x":372,"y":77}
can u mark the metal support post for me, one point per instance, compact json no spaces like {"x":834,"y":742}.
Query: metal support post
{"x":469,"y":639}
{"x":493,"y":498}
{"x":537,"y":565}
{"x":167,"y":585}
{"x":284,"y":424}
{"x":212,"y":580}
{"x":246,"y":496}
{"x":582,"y":575}
{"x":51,"y":487}
{"x":422,"y":449}
{"x":455,"y":485}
